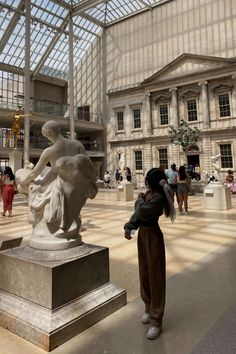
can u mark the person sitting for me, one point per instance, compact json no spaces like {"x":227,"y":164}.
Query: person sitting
{"x":229,"y":181}
{"x":107,"y":179}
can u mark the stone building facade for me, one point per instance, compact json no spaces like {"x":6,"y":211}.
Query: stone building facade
{"x":196,"y":88}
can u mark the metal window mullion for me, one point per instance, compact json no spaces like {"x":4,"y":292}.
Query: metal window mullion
{"x":48,"y":12}
{"x":71,"y":79}
{"x":27,"y":80}
{"x":91,"y":19}
{"x":86,"y":30}
{"x":50,"y":47}
{"x":12,"y":24}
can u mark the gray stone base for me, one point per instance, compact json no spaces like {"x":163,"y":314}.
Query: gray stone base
{"x":50,"y":328}
{"x":49,"y":297}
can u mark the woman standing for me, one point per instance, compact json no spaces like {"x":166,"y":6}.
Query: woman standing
{"x":182,"y":191}
{"x":230,"y":182}
{"x":151,"y":249}
{"x":8,"y":189}
{"x":128,"y":174}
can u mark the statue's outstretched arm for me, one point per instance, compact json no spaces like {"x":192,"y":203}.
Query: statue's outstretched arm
{"x":41,"y":164}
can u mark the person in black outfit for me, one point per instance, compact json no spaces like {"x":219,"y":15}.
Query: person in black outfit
{"x":151,"y":248}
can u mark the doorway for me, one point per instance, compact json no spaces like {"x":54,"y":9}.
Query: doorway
{"x":194,"y":166}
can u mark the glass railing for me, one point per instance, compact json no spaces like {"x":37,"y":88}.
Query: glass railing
{"x":92,"y":145}
{"x":8,"y":141}
{"x":53,"y":109}
{"x":50,"y":108}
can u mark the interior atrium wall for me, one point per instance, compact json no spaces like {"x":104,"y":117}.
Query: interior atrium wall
{"x":139,"y":46}
{"x":88,"y":81}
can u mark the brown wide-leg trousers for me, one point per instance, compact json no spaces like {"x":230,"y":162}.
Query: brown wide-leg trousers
{"x":152,"y":271}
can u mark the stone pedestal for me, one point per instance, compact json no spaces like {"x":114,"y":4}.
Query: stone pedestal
{"x":125,"y":192}
{"x":217,"y":197}
{"x":15,"y":160}
{"x":48,"y":297}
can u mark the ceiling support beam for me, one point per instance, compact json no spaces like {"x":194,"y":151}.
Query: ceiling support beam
{"x":51,"y":45}
{"x":12,"y":24}
{"x":92,"y":19}
{"x":146,"y":5}
{"x":63,"y":4}
{"x":85,"y":5}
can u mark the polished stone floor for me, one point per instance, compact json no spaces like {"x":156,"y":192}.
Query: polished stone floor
{"x":201,"y":278}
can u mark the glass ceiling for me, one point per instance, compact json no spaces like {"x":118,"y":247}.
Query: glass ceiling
{"x":49,"y":29}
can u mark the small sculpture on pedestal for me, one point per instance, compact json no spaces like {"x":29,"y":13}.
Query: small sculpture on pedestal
{"x":216,"y":168}
{"x":56,"y":194}
{"x":121,"y":162}
{"x":15,"y":129}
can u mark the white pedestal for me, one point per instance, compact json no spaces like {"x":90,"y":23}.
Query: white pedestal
{"x":217,"y":197}
{"x":15,"y":160}
{"x":125,"y":192}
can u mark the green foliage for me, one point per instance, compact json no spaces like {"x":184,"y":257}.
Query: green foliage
{"x":183,"y":135}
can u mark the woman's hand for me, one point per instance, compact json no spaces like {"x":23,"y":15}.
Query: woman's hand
{"x":128,"y":234}
{"x":141,"y":195}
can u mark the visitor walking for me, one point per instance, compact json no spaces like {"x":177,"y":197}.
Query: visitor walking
{"x":151,"y":249}
{"x":8,"y":186}
{"x":172,"y":179}
{"x":183,"y":190}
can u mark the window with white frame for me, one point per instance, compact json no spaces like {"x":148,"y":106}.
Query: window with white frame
{"x":164,"y":113}
{"x":163,"y":158}
{"x":226,"y":156}
{"x":120,"y":120}
{"x":224,"y":105}
{"x":192,"y":109}
{"x":137,"y":118}
{"x":138,"y":159}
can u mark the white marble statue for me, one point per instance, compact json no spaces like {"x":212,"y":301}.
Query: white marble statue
{"x":216,"y":167}
{"x":56,"y":194}
{"x":122,"y":162}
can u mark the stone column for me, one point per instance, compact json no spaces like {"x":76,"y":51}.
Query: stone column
{"x":27,"y":80}
{"x":206,"y":158}
{"x":174,"y":114}
{"x":205,"y":104}
{"x":148,"y":108}
{"x":71,"y":79}
{"x":128,"y":158}
{"x":15,"y":160}
{"x":233,"y":113}
{"x":147,"y":158}
{"x":97,"y":167}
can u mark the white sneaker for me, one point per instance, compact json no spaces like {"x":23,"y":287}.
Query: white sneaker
{"x":154,"y":332}
{"x":185,"y":212}
{"x":180,"y":213}
{"x":146,"y":318}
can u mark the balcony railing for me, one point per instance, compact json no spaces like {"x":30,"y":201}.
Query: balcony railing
{"x":39,"y":142}
{"x":53,"y":109}
{"x":49,"y":108}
